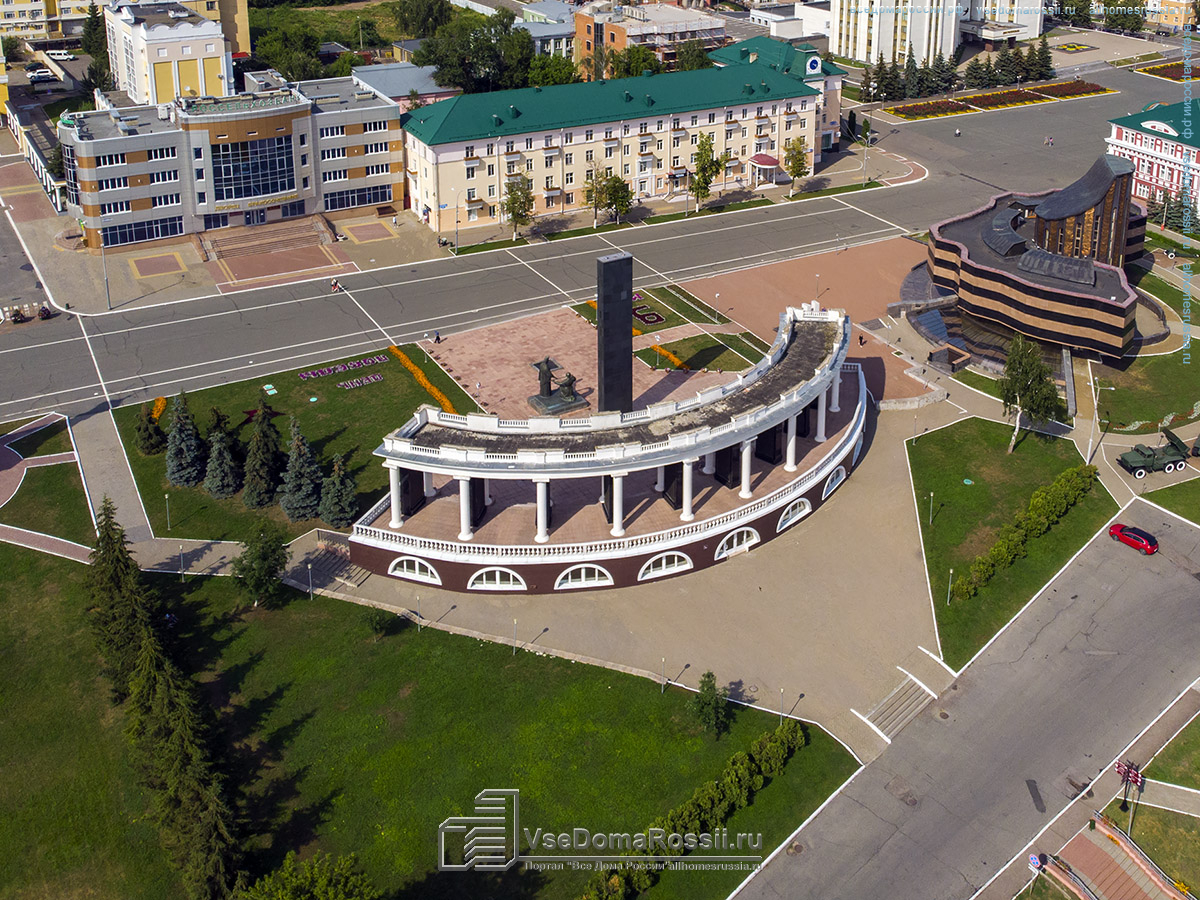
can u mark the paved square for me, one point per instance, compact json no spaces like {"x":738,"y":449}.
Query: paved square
{"x":159,"y":264}
{"x":365,"y":234}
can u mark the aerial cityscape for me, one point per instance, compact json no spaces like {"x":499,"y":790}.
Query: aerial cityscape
{"x":585,"y":449}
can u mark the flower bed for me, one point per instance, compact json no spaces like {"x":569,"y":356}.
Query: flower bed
{"x":1173,"y":71}
{"x":929,"y":110}
{"x":998,"y":99}
{"x":1071,"y":89}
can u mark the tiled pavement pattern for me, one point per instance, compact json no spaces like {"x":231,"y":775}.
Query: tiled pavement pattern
{"x":1108,"y":870}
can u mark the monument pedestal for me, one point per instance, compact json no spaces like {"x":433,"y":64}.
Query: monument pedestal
{"x":556,"y":404}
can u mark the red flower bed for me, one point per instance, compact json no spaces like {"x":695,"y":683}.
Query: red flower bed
{"x":1173,"y":71}
{"x":1070,"y":89}
{"x":930,"y":109}
{"x":1004,"y":98}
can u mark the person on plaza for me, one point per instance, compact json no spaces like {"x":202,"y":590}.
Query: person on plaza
{"x":437,"y":337}
{"x":334,"y":286}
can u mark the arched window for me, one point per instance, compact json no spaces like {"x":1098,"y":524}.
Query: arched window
{"x":414,"y":570}
{"x":581,"y":576}
{"x":496,"y":578}
{"x":796,"y":510}
{"x":665,"y":564}
{"x":838,"y":476}
{"x":736,"y":542}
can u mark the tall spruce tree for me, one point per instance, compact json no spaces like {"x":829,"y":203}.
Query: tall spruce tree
{"x":150,"y":437}
{"x":300,"y":497}
{"x":912,"y":76}
{"x":209,"y":867}
{"x":943,"y":74}
{"x":185,"y":450}
{"x":339,"y":496}
{"x":990,"y":78}
{"x":262,"y":458}
{"x":224,"y":476}
{"x":1045,"y":62}
{"x":895,"y":82}
{"x":95,"y":38}
{"x":974,"y":75}
{"x":120,"y":606}
{"x":261,"y":563}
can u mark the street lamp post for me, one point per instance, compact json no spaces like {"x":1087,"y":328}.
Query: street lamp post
{"x":360,"y":47}
{"x":167,"y":498}
{"x":663,"y":686}
{"x":818,"y":279}
{"x":781,"y":706}
{"x":1096,"y":389}
{"x":949,"y":587}
{"x":514,"y":637}
{"x":104,"y":265}
{"x":454,"y":249}
{"x":181,"y":563}
{"x":310,"y":592}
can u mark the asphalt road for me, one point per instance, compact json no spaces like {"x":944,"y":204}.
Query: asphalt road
{"x":73,"y":363}
{"x":1053,"y":700}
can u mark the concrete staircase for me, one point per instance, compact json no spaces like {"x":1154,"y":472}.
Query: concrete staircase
{"x":252,"y":240}
{"x":899,"y":707}
{"x":1108,"y":871}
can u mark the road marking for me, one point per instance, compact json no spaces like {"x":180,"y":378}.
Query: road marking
{"x":922,"y":685}
{"x":537,"y":273}
{"x":872,"y":726}
{"x":912,"y":486}
{"x":386,"y":336}
{"x":900,"y":228}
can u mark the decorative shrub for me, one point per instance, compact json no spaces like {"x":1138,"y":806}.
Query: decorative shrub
{"x":1173,"y":70}
{"x":1070,"y":89}
{"x":930,"y":109}
{"x":997,"y":99}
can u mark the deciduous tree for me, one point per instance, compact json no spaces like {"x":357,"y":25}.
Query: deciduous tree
{"x":711,"y":705}
{"x":595,"y":191}
{"x":1027,"y":387}
{"x":552,"y":69}
{"x":691,"y":56}
{"x":422,"y":18}
{"x":795,"y":160}
{"x":321,"y":877}
{"x":618,"y":196}
{"x":518,"y":202}
{"x":706,"y":168}
{"x":633,"y":61}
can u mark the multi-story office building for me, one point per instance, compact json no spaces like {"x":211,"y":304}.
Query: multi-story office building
{"x":46,"y":18}
{"x":867,"y":29}
{"x":462,"y":152}
{"x":161,"y":51}
{"x":1165,"y":158}
{"x":233,"y":15}
{"x":659,"y":27}
{"x":147,"y":172}
{"x":1170,"y":15}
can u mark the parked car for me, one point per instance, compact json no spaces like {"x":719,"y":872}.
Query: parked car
{"x":33,"y":66}
{"x":41,"y":70}
{"x":60,"y":55}
{"x":1134,"y":537}
{"x":41,"y":78}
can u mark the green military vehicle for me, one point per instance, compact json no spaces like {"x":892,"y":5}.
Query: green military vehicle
{"x":1167,"y":458}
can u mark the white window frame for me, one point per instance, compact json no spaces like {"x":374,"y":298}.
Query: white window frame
{"x":836,"y":477}
{"x":425,"y":573}
{"x":594,"y":577}
{"x":682,"y":563}
{"x":793,"y":513}
{"x":517,"y":583}
{"x":730,"y":547}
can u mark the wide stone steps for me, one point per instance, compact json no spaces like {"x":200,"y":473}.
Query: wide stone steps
{"x":899,"y":707}
{"x":248,"y":241}
{"x":1108,"y":870}
{"x":335,"y":566}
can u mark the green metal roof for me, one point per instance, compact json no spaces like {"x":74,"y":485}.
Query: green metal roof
{"x":479,"y":116}
{"x":1170,"y":115}
{"x":779,"y":55}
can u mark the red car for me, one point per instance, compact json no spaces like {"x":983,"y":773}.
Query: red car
{"x":1135,"y":538}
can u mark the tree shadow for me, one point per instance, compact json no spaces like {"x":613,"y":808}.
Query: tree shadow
{"x":515,"y":884}
{"x":318,"y":445}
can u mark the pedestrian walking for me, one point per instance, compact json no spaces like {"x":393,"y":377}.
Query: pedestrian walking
{"x":437,"y":337}
{"x":1046,"y":141}
{"x":1052,"y":143}
{"x":393,"y":220}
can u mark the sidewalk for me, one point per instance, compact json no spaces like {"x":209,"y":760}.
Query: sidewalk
{"x":1174,"y":797}
{"x":106,"y":471}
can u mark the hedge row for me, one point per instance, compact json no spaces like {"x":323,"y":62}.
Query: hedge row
{"x":1047,"y":506}
{"x":708,"y":809}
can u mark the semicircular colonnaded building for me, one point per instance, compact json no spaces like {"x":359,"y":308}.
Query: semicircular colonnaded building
{"x":545,"y":504}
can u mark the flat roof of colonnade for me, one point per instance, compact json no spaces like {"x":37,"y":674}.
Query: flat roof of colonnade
{"x":810,"y":346}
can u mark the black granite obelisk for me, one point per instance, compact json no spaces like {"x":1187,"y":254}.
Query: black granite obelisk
{"x":614,"y":332}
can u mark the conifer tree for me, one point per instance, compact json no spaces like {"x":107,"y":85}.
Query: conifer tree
{"x":974,"y":75}
{"x":120,"y":606}
{"x":943,"y":74}
{"x":209,"y":865}
{"x":339,"y":500}
{"x":300,"y":497}
{"x":990,"y":78}
{"x":262,"y":458}
{"x":912,"y":76}
{"x":895,"y":83}
{"x":150,"y":437}
{"x":1045,"y":62}
{"x":926,"y":83}
{"x":262,"y":561}
{"x":224,"y":476}
{"x":185,"y":450}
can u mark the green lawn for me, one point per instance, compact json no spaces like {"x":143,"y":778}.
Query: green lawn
{"x":352,"y":422}
{"x":579,"y":232}
{"x":73,"y":815}
{"x":70,"y":104}
{"x":1134,"y":60}
{"x":826,"y":192}
{"x":1171,"y":839}
{"x":51,"y":500}
{"x":746,"y":344}
{"x":687,"y":305}
{"x":1151,"y":284}
{"x":701,"y":351}
{"x":1182,"y":499}
{"x":645,"y":303}
{"x":1157,"y":241}
{"x":967,"y":517}
{"x":710,"y":210}
{"x":1043,"y":888}
{"x":492,"y":245}
{"x":1179,"y":762}
{"x":53,"y":438}
{"x":1148,"y":388}
{"x":328,"y":22}
{"x":979,"y":382}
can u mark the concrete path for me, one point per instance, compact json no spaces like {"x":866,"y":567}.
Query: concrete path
{"x":1174,"y":797}
{"x":1108,"y":870}
{"x":106,"y":471}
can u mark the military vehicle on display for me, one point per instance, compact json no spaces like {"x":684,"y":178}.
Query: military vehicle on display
{"x":1169,"y":457}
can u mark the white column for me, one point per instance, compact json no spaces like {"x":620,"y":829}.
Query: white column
{"x":394,"y":484}
{"x":747,"y":448}
{"x":660,"y":484}
{"x":710,"y":463}
{"x":618,"y":505}
{"x":487,"y":492}
{"x":686,"y":515}
{"x":837,"y":392}
{"x":464,"y":510}
{"x":821,"y":417}
{"x":543,"y":512}
{"x":790,"y":463}
{"x":429,"y":491}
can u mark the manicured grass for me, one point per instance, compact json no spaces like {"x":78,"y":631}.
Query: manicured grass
{"x":493,"y":245}
{"x":710,"y":210}
{"x":1156,"y":241}
{"x":688,"y":305}
{"x":702,"y":351}
{"x":966,"y":519}
{"x":1147,"y":283}
{"x":1043,"y":888}
{"x":54,"y":438}
{"x":51,"y":500}
{"x":1171,"y":839}
{"x":827,"y":192}
{"x":579,"y":232}
{"x":1133,"y":60}
{"x":746,"y":344}
{"x":980,"y":382}
{"x":852,"y":92}
{"x":70,"y":104}
{"x":367,"y":746}
{"x":74,"y":819}
{"x":1183,"y":499}
{"x":351,"y":422}
{"x":1179,"y":762}
{"x":648,"y":307}
{"x":1148,"y":389}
